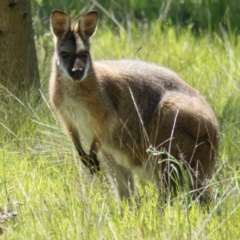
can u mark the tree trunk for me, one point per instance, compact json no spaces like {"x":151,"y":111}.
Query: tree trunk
{"x":18,"y":60}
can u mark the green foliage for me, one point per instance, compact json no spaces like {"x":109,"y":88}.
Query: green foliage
{"x":40,"y":167}
{"x":201,"y":15}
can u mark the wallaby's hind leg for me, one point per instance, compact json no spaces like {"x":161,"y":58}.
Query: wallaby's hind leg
{"x":187,"y":130}
{"x":120,"y":177}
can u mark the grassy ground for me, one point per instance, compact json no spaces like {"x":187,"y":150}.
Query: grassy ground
{"x":55,"y":198}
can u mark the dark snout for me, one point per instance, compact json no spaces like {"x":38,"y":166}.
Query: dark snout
{"x":78,"y":65}
{"x":77,"y":70}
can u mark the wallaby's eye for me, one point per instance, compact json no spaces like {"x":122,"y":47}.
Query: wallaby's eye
{"x":85,"y":54}
{"x":64,"y":54}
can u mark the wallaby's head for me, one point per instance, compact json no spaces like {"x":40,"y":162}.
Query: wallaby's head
{"x":72,"y":43}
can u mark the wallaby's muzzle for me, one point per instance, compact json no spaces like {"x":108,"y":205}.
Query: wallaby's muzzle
{"x":77,"y":71}
{"x":78,"y":65}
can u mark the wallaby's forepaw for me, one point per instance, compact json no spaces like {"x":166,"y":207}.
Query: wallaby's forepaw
{"x":93,"y":164}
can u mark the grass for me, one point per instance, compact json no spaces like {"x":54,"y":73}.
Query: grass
{"x":54,"y":196}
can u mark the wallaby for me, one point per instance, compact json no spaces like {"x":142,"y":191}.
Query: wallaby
{"x":118,"y":109}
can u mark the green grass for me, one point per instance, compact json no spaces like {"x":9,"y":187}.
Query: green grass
{"x":40,"y":168}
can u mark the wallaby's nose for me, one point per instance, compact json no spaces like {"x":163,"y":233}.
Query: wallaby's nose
{"x":78,"y":65}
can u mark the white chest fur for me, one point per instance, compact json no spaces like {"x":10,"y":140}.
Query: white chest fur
{"x":80,"y":118}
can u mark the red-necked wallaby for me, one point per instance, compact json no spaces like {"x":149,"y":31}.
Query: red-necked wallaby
{"x":118,"y":109}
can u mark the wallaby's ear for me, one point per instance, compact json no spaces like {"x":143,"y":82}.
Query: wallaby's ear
{"x":60,"y":23}
{"x":87,"y":24}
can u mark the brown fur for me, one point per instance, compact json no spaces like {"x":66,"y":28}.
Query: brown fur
{"x":120,"y":108}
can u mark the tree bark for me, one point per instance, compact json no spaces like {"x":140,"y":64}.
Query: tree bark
{"x":18,"y":59}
